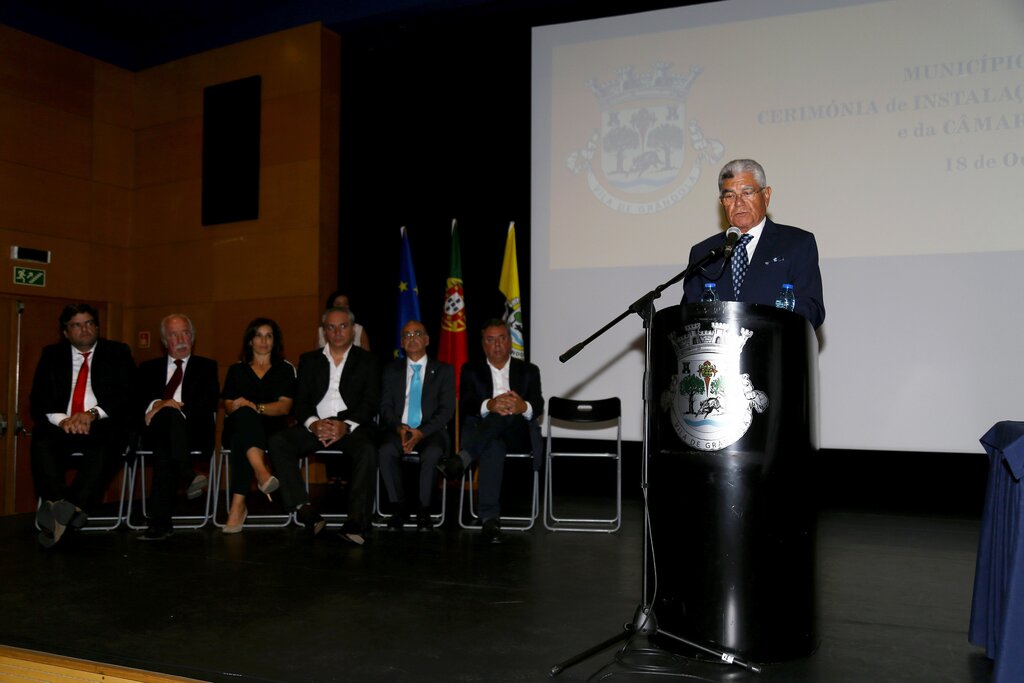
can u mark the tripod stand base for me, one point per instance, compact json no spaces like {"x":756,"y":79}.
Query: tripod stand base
{"x":627,"y":631}
{"x":645,"y":623}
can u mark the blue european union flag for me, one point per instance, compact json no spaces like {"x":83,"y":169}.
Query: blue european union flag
{"x":408,"y":294}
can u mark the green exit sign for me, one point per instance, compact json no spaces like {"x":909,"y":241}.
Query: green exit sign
{"x":29,"y":277}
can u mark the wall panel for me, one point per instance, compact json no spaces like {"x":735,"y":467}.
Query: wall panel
{"x":111,"y":215}
{"x":113,"y":95}
{"x":265,"y":265}
{"x":113,"y":154}
{"x":43,"y":202}
{"x":291,"y":128}
{"x":169,"y":152}
{"x":172,"y":273}
{"x":46,"y":138}
{"x":168,"y":213}
{"x":289,"y":195}
{"x":39,"y":71}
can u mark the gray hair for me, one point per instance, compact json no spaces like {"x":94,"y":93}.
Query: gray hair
{"x":163,"y":326}
{"x":738,"y":166}
{"x":338,"y":309}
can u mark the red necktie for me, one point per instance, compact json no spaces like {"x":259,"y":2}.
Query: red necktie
{"x":78,"y":397}
{"x":172,"y":384}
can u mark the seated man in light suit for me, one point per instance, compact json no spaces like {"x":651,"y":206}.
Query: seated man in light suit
{"x":178,"y":396}
{"x":501,"y":405}
{"x":768,"y":254}
{"x":417,"y":403}
{"x":80,"y":403}
{"x":337,"y":398}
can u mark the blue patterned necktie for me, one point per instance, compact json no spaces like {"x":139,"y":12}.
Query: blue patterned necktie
{"x":415,"y":391}
{"x":739,"y":264}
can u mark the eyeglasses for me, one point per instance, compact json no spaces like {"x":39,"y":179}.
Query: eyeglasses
{"x":340,"y":327}
{"x":746,"y":193}
{"x":84,"y":325}
{"x":413,"y":334}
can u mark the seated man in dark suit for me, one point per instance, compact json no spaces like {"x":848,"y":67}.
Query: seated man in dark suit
{"x":178,"y":396}
{"x":418,"y":402}
{"x":336,"y":401}
{"x":768,"y":254}
{"x":80,"y":403}
{"x":501,"y":405}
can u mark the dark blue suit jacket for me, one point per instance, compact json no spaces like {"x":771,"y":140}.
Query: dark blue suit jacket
{"x":784,"y":254}
{"x":437,"y":400}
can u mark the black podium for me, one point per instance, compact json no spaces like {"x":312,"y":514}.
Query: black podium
{"x":732,"y":440}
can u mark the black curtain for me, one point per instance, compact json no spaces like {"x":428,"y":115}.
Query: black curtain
{"x":435,"y":125}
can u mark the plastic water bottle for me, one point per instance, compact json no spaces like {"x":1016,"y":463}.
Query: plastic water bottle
{"x":786,"y":299}
{"x":710,"y":294}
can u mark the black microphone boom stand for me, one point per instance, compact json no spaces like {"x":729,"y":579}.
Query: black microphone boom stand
{"x":644,"y":620}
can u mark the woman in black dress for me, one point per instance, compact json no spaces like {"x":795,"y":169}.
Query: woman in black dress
{"x":257,"y":395}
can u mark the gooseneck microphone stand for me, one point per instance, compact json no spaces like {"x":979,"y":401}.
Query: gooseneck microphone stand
{"x":644,"y":621}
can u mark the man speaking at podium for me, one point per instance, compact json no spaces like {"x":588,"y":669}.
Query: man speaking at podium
{"x":765,"y":255}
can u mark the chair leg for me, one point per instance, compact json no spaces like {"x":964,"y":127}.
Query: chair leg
{"x":508,"y":522}
{"x":552,"y":522}
{"x":178,"y":521}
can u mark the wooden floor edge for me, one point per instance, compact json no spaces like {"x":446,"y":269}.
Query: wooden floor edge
{"x":32,"y":660}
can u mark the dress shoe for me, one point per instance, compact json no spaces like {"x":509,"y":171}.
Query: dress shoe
{"x":398,"y":521}
{"x":156,"y":533}
{"x":46,"y":524}
{"x":423,"y":521}
{"x":352,"y":534}
{"x":269,"y":486}
{"x":67,"y":514}
{"x":79,"y":519}
{"x":195,"y":489}
{"x":492,"y":532}
{"x":235,"y":528}
{"x":44,"y":517}
{"x":46,"y":539}
{"x":310,"y":519}
{"x":52,"y":528}
{"x":451,"y":467}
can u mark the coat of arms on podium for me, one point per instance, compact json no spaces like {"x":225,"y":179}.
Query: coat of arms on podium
{"x":711,"y":403}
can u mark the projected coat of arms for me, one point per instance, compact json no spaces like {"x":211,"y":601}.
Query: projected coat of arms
{"x":711,"y":403}
{"x":638,"y":160}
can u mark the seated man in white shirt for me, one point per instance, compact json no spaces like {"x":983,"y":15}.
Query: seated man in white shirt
{"x":501,"y":404}
{"x":335,"y":403}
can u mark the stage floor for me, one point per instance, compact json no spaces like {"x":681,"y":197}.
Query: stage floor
{"x":271,"y":605}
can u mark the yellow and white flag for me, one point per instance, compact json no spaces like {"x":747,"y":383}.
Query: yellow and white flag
{"x":509,"y":286}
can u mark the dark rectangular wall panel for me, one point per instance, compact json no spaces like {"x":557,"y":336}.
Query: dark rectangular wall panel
{"x":231,"y":151}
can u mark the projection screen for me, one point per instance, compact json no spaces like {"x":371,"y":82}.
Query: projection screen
{"x":893,"y":130}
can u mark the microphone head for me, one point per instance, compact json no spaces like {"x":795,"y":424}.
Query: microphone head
{"x":732,"y":236}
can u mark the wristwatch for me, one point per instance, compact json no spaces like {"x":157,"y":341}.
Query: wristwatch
{"x":94,"y":412}
{"x":260,"y":408}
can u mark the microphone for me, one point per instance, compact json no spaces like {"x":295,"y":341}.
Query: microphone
{"x":732,"y":236}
